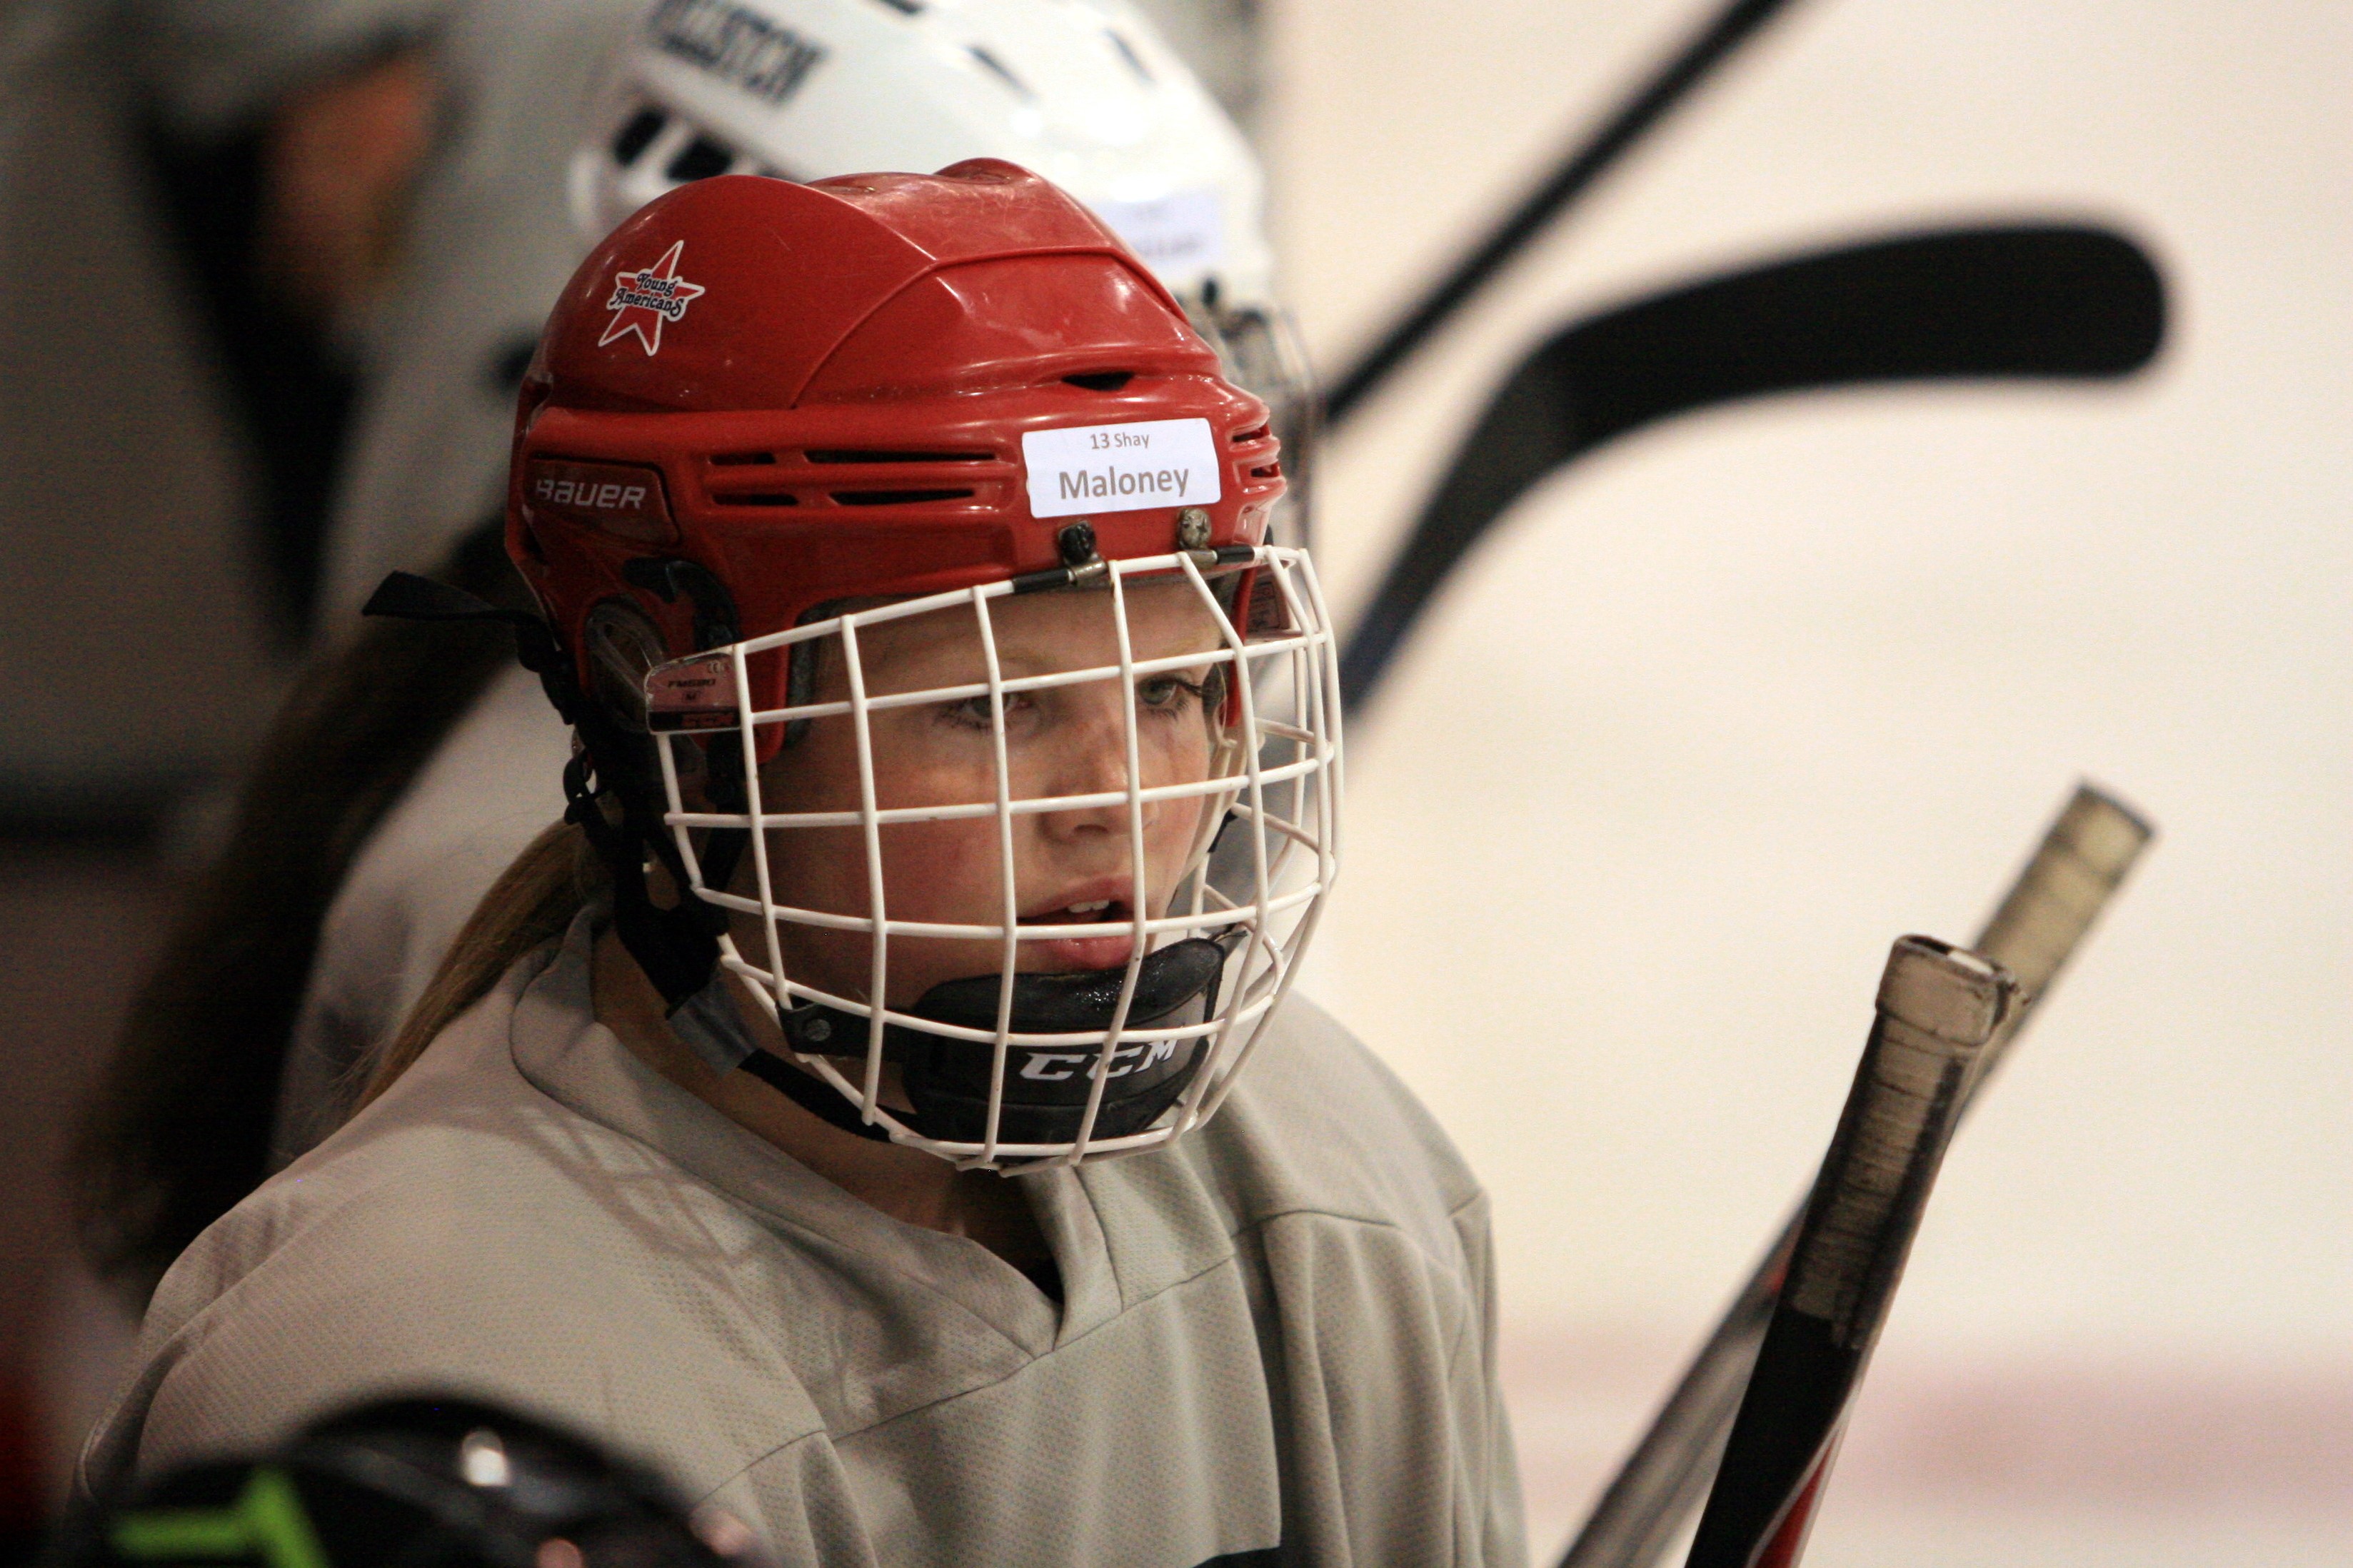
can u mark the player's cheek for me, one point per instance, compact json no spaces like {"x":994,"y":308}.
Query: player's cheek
{"x":950,"y":872}
{"x":1169,"y":842}
{"x":919,"y":762}
{"x":947,"y":871}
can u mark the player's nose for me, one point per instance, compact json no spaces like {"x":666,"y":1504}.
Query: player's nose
{"x":1090,"y":758}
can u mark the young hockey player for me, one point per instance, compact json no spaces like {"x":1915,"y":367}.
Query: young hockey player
{"x":415,"y":764}
{"x":1097,"y":103}
{"x":902,"y":555}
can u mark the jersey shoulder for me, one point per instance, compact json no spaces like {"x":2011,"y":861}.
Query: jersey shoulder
{"x":467,"y":1234}
{"x":1318,"y":1124}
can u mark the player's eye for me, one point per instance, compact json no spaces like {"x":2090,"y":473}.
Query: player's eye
{"x":1169,"y":694}
{"x":972,"y":713}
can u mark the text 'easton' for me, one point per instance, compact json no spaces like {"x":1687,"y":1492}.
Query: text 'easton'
{"x":736,"y":44}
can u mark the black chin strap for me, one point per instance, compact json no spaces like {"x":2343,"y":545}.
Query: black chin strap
{"x":817,"y":1097}
{"x":678,"y":947}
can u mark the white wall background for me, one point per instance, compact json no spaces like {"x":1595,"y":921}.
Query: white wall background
{"x":1719,"y":713}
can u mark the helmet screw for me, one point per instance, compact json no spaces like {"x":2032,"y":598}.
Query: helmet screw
{"x":1193,"y":529}
{"x":1077,"y":544}
{"x":816,"y":1031}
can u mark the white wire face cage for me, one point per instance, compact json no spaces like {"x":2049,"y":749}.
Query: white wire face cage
{"x":976,"y":892}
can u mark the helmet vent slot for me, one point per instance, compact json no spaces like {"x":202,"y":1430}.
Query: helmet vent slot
{"x":1102,"y":380}
{"x":764,"y":498}
{"x":1255,"y":435}
{"x":896,"y":497}
{"x":743,"y":459}
{"x":632,"y":139}
{"x":998,"y":70}
{"x":701,"y":158}
{"x":1127,"y":52}
{"x":870,"y":455}
{"x":1271,"y":471}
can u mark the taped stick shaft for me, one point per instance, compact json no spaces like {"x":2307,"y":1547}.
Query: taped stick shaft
{"x":2038,"y":924}
{"x":1938,"y":1009}
{"x":2073,"y":873}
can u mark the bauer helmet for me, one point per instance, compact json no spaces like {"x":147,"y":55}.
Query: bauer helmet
{"x":1084,"y":92}
{"x":888,"y":528}
{"x":804,"y":88}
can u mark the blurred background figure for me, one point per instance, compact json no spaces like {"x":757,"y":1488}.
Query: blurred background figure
{"x":212,"y":198}
{"x":186,"y":349}
{"x":1088,"y":94}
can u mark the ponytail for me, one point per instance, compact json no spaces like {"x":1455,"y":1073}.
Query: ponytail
{"x":532,"y":902}
{"x":178,"y":1127}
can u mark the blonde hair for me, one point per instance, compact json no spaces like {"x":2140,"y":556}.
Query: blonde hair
{"x":532,"y":902}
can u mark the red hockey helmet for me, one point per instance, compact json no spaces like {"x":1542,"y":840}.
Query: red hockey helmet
{"x":769,"y":417}
{"x":853,"y":389}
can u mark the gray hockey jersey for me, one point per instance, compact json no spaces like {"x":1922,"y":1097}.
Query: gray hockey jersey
{"x":1275,"y":1344}
{"x":494,"y":785}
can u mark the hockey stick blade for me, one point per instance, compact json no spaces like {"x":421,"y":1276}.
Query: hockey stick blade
{"x":2033,"y":301}
{"x":1669,"y":84}
{"x":2037,"y":926}
{"x":1937,"y":1008}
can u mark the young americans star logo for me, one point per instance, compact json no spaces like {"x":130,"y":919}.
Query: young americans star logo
{"x":644,"y":299}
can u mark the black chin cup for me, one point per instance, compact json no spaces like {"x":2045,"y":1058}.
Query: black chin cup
{"x":1046,"y":1087}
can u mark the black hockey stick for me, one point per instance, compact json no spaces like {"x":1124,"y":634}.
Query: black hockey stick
{"x":2044,"y":302}
{"x":2037,"y":926}
{"x":1665,"y":88}
{"x":1938,"y":1009}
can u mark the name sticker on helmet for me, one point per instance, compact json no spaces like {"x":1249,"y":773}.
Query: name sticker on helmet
{"x":1120,"y":467}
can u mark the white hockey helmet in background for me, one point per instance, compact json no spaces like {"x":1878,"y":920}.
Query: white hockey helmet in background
{"x":1085,"y":92}
{"x":1082,"y":91}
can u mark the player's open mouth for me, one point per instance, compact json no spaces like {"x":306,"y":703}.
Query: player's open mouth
{"x":1091,"y":911}
{"x":1097,"y":906}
